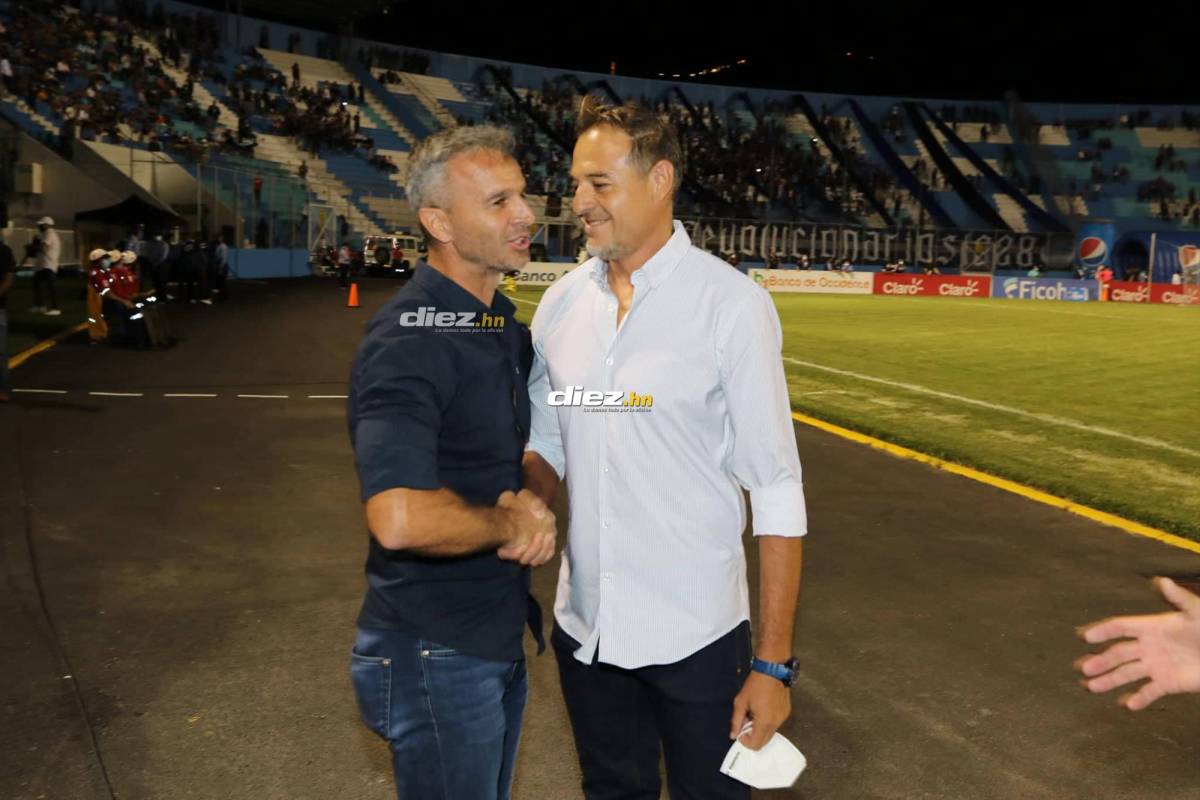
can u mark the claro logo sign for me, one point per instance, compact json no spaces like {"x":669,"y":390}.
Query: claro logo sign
{"x":932,"y":285}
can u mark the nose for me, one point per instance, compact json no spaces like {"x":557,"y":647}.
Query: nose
{"x":524,"y":214}
{"x":581,"y":202}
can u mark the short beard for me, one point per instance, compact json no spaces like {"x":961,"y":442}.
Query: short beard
{"x":614,"y":252}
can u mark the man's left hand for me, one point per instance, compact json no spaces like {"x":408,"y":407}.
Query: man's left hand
{"x":766,"y":702}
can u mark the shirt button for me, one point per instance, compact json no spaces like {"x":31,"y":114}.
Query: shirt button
{"x":606,"y":469}
{"x":609,"y":362}
{"x":604,"y":524}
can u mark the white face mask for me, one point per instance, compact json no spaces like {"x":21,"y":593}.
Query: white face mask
{"x":776,"y":766}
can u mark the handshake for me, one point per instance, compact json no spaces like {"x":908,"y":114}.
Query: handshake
{"x":530,"y":533}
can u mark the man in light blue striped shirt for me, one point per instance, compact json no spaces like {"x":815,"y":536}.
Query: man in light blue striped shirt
{"x":659,"y":392}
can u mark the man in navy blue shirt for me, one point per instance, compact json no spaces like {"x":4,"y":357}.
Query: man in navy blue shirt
{"x":439,"y":417}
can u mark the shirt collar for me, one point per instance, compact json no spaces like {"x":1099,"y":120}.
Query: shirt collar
{"x":659,"y":266}
{"x":454,"y":297}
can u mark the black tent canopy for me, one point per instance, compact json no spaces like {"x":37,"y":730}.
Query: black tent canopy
{"x":133,"y":210}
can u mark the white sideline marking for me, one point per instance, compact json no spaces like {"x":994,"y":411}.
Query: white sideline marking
{"x":1048,"y":418}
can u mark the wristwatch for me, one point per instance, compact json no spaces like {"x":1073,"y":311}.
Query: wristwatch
{"x":785,"y":672}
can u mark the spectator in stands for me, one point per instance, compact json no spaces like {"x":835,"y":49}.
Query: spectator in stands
{"x":303,"y":171}
{"x":846,"y":266}
{"x":1035,"y":271}
{"x":295,"y":73}
{"x":6,"y":74}
{"x":45,"y":250}
{"x":1164,"y":648}
{"x":931,"y":268}
{"x":8,"y":271}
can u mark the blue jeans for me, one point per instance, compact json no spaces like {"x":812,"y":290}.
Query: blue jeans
{"x":452,"y":721}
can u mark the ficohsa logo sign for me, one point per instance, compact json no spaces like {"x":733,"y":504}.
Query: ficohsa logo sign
{"x":1034,"y":289}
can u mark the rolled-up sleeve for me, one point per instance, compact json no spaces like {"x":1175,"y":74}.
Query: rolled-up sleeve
{"x":764,"y":460}
{"x":545,"y":436}
{"x":400,"y":387}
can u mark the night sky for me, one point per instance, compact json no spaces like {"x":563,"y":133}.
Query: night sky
{"x":924,"y":50}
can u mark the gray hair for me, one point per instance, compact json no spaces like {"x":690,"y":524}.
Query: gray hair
{"x":427,"y":163}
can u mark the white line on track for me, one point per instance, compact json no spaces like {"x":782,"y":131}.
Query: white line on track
{"x":264,"y":396}
{"x":115,"y":394}
{"x":40,"y":391}
{"x":189,"y":395}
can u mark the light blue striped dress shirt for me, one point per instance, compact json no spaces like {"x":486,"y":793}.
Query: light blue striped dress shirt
{"x":654,"y":567}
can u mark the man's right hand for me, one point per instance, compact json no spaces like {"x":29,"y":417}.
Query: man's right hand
{"x":533,"y":535}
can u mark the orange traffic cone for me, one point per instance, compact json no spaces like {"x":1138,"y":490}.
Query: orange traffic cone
{"x":353,"y":301}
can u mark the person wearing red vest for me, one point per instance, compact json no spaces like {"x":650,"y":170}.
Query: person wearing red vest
{"x":1104,"y":275}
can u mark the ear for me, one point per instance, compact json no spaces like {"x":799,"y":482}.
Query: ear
{"x":662,"y":178}
{"x":437,"y":222}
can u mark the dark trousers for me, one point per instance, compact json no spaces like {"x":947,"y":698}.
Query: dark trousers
{"x":44,"y":280}
{"x":125,"y":326}
{"x":621,"y":718}
{"x":3,"y":349}
{"x":193,"y":285}
{"x":220,"y":282}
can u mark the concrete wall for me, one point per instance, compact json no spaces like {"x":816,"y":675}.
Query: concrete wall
{"x":65,"y":189}
{"x":251,"y":263}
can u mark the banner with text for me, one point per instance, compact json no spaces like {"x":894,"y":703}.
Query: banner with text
{"x":933,"y":285}
{"x":791,"y":280}
{"x":969,"y":251}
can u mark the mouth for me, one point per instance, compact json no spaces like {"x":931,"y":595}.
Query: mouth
{"x":590,"y":226}
{"x":520,"y":243}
